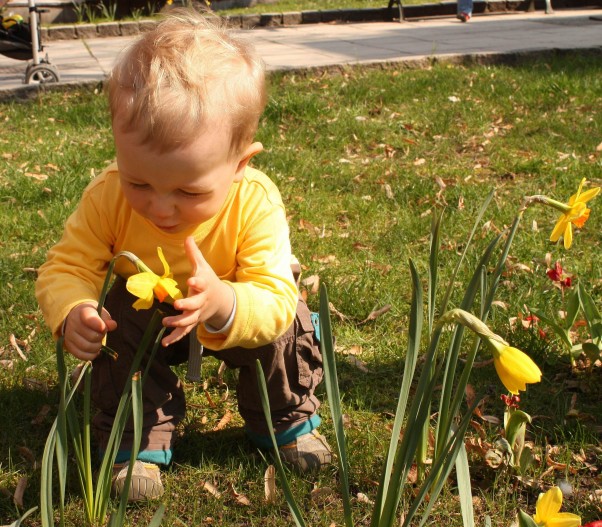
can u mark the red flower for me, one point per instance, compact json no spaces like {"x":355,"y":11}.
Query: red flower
{"x":597,"y":523}
{"x":556,"y":274}
{"x":512,"y":402}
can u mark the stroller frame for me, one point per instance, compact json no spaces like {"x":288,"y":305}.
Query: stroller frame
{"x":39,"y":70}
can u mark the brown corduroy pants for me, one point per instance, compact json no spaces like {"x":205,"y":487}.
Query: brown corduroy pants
{"x":292,"y":366}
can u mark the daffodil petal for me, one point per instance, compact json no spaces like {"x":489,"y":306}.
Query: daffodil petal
{"x":142,"y":284}
{"x":559,"y":228}
{"x":548,"y":505}
{"x":166,"y":270}
{"x":142,"y":303}
{"x":171,"y":286}
{"x":589,"y":194}
{"x":564,"y":519}
{"x":568,"y":236}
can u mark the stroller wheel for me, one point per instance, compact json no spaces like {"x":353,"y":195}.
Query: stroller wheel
{"x":41,"y":74}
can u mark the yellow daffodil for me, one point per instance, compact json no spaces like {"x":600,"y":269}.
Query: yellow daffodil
{"x":146,"y":285}
{"x":514,"y":368}
{"x":574,"y":213}
{"x":547,"y":511}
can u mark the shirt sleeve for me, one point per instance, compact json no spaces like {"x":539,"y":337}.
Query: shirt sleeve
{"x":75,"y":268}
{"x":266,"y":293}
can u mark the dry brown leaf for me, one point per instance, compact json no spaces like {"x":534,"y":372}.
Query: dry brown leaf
{"x":240,"y":499}
{"x":28,"y":455}
{"x":321,"y":493}
{"x":354,"y":361}
{"x":327,"y":259}
{"x":15,"y":345}
{"x":356,"y":349}
{"x":209,"y":399}
{"x":362,"y":498}
{"x":211,"y":489}
{"x":334,"y":311}
{"x":599,"y":148}
{"x":37,"y":177}
{"x":223,"y":421}
{"x":269,"y":480}
{"x":376,"y":313}
{"x":39,"y":419}
{"x":35,"y":385}
{"x":220,"y":373}
{"x":19,"y":491}
{"x":388,"y":191}
{"x":7,"y":364}
{"x":311,"y":283}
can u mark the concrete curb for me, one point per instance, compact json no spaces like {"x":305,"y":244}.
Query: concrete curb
{"x":448,"y":8}
{"x":27,"y":92}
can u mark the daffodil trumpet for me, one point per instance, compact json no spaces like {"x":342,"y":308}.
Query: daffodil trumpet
{"x":514,"y":367}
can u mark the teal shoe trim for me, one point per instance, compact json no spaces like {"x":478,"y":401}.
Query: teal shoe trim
{"x":287,"y":436}
{"x":158,"y":457}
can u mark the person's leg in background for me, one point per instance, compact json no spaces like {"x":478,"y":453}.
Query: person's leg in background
{"x":464,"y":10}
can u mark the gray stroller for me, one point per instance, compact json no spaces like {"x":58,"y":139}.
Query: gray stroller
{"x":20,"y":40}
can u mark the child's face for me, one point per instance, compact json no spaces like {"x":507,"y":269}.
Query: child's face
{"x":181,"y":189}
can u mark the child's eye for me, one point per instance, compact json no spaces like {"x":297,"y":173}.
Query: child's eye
{"x":140,"y":186}
{"x":191,"y":194}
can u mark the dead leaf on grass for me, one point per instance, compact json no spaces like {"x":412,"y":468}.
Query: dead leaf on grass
{"x":239,"y":498}
{"x":312,"y":284}
{"x":39,"y":419}
{"x":7,"y":364}
{"x":269,"y":480}
{"x":327,"y":259}
{"x":362,"y":498}
{"x":223,"y":421}
{"x":354,"y":361}
{"x":376,"y":313}
{"x":334,"y":311}
{"x":321,"y":493}
{"x":35,"y":385}
{"x":211,"y":489}
{"x":19,"y":491}
{"x":13,"y":342}
{"x":28,"y":455}
{"x":356,"y":349}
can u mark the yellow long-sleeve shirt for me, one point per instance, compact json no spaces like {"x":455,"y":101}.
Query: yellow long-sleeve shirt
{"x":246,"y":243}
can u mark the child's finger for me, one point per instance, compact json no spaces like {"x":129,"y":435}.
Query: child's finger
{"x":195,"y":256}
{"x":176,"y":335}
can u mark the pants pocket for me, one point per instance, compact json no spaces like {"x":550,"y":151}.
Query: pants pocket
{"x":309,"y":358}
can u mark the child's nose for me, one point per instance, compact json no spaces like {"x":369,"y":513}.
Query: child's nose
{"x":163,"y":207}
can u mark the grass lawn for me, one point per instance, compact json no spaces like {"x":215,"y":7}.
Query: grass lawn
{"x":364,"y":158}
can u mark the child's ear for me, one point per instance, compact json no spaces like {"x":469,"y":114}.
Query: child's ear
{"x":252,"y":150}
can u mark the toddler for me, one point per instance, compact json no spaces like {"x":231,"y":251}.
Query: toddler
{"x":185,"y":102}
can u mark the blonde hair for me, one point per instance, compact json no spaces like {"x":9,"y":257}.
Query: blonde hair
{"x":186,"y":76}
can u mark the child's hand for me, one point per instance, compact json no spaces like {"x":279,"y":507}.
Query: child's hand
{"x":85,"y":330}
{"x":209,"y":299}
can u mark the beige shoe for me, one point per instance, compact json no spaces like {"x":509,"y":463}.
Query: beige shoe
{"x":308,"y":453}
{"x":145,"y":483}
